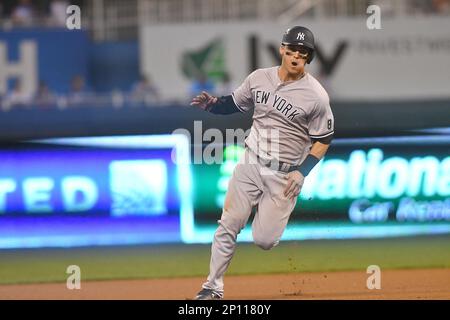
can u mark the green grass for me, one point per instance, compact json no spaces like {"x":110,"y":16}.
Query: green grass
{"x":139,"y":262}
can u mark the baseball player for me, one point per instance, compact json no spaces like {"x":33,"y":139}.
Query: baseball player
{"x":292,"y":128}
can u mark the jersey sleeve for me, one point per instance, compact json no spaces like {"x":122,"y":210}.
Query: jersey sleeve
{"x":321,"y":123}
{"x":242,"y":96}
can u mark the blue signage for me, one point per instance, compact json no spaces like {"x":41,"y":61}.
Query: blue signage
{"x":53,"y":192}
{"x":53,"y":56}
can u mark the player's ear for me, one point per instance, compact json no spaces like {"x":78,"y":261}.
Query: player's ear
{"x":281,"y":50}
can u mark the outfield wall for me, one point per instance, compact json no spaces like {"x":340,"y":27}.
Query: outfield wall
{"x":145,"y":189}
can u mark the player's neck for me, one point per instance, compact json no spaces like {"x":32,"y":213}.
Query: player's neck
{"x":285,"y":76}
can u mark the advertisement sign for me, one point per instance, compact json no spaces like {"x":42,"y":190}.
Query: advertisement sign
{"x":405,"y":59}
{"x":371,"y":187}
{"x":146,"y":189}
{"x":53,"y":56}
{"x":92,"y":191}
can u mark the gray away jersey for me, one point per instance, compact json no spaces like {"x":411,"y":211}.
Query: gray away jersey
{"x":286,"y":115}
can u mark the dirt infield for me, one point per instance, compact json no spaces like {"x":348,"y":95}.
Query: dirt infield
{"x":395,"y":284}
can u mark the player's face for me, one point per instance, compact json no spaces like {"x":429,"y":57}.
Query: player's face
{"x":294,"y":58}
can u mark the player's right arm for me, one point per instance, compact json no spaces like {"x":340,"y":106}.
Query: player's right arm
{"x":222,"y":105}
{"x":241,"y":100}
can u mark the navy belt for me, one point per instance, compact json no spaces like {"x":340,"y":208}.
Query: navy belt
{"x":277,"y":165}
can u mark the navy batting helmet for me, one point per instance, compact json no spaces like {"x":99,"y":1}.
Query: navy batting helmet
{"x":300,"y":36}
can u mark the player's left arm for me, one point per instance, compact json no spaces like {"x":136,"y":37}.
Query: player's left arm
{"x":319,"y":149}
{"x":321,"y":131}
{"x":297,"y":175}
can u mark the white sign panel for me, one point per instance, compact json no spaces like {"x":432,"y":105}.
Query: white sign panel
{"x":407,"y":58}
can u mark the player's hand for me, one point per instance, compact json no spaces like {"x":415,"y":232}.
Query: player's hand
{"x":294,"y":184}
{"x":203,"y":100}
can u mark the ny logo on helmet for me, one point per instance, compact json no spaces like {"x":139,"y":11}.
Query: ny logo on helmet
{"x":300,"y":36}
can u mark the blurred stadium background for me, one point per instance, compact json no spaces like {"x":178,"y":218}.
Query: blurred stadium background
{"x":87,"y":116}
